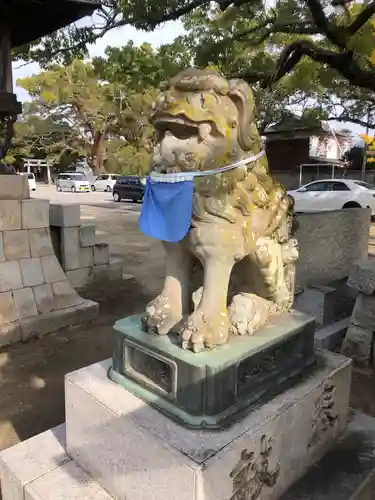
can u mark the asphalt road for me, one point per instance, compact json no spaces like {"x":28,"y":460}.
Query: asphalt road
{"x":96,"y":199}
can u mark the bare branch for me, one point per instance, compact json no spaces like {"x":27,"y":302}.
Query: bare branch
{"x":362,"y":18}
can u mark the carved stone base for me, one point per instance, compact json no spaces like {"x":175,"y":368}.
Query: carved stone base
{"x":212,"y":389}
{"x":117,"y":446}
{"x":133,"y":451}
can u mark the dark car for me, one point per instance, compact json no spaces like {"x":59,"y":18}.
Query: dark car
{"x":128,"y":188}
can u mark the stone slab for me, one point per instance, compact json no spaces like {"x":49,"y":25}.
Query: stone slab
{"x":87,"y":235}
{"x":64,"y":215}
{"x":65,"y":295}
{"x":86,"y":257}
{"x":318,"y":301}
{"x":362,"y":276}
{"x":25,"y":462}
{"x":331,"y":336}
{"x":345,"y":234}
{"x":133,"y":451}
{"x":70,"y":251}
{"x":52,"y":270}
{"x":8,"y":312}
{"x":358,"y":345}
{"x":44,"y":324}
{"x":40,"y":242}
{"x":10,"y":276}
{"x":16,"y":244}
{"x":210,"y":389}
{"x":80,"y":278}
{"x":25,"y":303}
{"x":44,"y":298}
{"x":67,"y":482}
{"x":10,"y":215}
{"x":101,"y":254}
{"x":364,"y":312}
{"x":31,"y":272}
{"x":35,"y":213}
{"x":347,"y":471}
{"x":14,"y":187}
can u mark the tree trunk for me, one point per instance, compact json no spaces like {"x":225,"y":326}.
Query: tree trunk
{"x":98,"y":153}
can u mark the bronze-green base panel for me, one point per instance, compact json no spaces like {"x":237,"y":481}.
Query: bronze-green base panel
{"x":212,"y":389}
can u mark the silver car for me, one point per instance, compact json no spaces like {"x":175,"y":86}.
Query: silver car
{"x":72,"y":181}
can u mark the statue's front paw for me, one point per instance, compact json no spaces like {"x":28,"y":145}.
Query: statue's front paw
{"x":161,"y":316}
{"x":204,"y":331}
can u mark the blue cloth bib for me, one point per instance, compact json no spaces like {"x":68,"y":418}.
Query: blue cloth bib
{"x":167,"y":210}
{"x":168,"y":201}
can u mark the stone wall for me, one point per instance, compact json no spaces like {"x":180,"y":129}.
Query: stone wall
{"x":83,"y":259}
{"x":329,"y":244}
{"x":36,"y":297}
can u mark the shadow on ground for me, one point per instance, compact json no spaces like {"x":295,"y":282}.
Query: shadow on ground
{"x":32,"y":374}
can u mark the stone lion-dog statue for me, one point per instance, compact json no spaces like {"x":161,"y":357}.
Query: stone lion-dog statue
{"x":235,"y":268}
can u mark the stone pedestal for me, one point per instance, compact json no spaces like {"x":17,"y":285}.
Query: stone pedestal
{"x":211,"y":389}
{"x":35,"y":295}
{"x":115,"y":446}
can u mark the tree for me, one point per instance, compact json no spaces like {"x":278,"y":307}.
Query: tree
{"x":328,"y":33}
{"x":90,"y":108}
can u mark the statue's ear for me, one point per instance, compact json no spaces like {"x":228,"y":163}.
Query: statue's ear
{"x":243,"y":98}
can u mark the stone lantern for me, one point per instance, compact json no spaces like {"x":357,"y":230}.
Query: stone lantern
{"x":21,"y":22}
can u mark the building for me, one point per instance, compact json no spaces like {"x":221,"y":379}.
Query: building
{"x":298,"y":152}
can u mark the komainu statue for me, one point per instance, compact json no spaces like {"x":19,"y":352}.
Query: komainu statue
{"x":226,"y":225}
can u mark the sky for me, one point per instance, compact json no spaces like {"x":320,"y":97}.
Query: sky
{"x":119,"y":37}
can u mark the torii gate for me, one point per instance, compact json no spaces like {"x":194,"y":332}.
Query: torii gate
{"x":31,"y":162}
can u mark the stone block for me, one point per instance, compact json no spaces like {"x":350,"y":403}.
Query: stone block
{"x":116,"y":270}
{"x":319,"y":301}
{"x":329,"y":337}
{"x":31,"y":272}
{"x":364,"y":312}
{"x":8,"y":312}
{"x":44,"y":298}
{"x":44,"y":324}
{"x":27,"y":461}
{"x":10,"y":215}
{"x":101,"y":272}
{"x":87,"y":235}
{"x":80,"y":278}
{"x":2,"y":253}
{"x":35,"y":213}
{"x":65,"y":295}
{"x":16,"y":245}
{"x":10,"y":333}
{"x":40,"y":242}
{"x":345,"y":234}
{"x":362,"y":276}
{"x":67,"y":482}
{"x":52,"y":271}
{"x":25,"y":303}
{"x":358,"y":345}
{"x":110,"y":430}
{"x":10,"y":276}
{"x":64,"y":215}
{"x":86,"y":256}
{"x":101,"y":254}
{"x":14,"y":187}
{"x":70,"y":251}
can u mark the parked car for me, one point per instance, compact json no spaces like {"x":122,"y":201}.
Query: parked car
{"x":104,"y":182}
{"x":334,"y":194}
{"x":30,"y":180}
{"x":128,"y":188}
{"x":72,"y":181}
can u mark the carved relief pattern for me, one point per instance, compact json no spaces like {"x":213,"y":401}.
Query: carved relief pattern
{"x":251,"y":474}
{"x":325,"y":416}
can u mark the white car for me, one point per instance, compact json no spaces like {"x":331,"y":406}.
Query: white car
{"x":72,"y":181}
{"x":104,"y":182}
{"x":31,"y":181}
{"x":334,"y":194}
